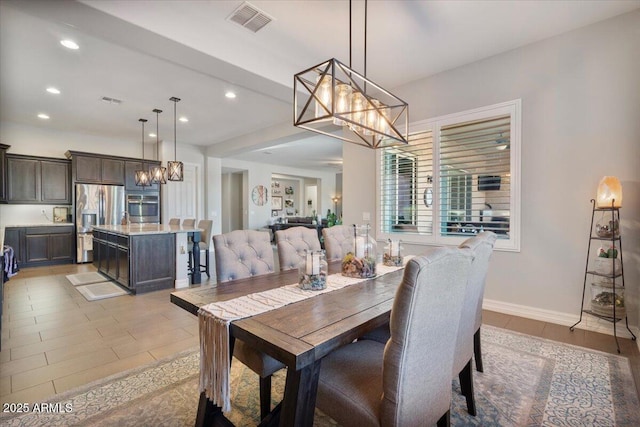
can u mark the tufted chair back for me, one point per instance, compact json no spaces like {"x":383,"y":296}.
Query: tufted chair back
{"x":293,"y":243}
{"x":242,"y":253}
{"x":337,"y":241}
{"x":174,"y":221}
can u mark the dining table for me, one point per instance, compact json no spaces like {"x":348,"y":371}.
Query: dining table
{"x":298,"y":334}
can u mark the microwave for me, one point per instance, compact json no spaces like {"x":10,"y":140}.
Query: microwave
{"x":143,"y":208}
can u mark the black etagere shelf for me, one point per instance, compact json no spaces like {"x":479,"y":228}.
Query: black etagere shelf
{"x":616,"y":276}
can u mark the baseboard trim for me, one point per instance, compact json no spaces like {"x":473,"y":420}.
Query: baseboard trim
{"x":589,"y":323}
{"x":181,"y":283}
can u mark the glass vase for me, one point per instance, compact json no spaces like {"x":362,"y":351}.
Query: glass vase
{"x":392,"y":255}
{"x":360,"y":261}
{"x":312,"y":271}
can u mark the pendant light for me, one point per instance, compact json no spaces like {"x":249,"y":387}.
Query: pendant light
{"x":142,"y":175}
{"x":158,"y":173}
{"x":175,"y":169}
{"x":334,"y":100}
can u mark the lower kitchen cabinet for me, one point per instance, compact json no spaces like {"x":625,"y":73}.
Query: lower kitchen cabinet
{"x":38,"y":246}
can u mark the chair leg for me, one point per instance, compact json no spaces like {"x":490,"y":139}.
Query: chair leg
{"x":466,"y":385}
{"x":206,"y":254}
{"x":445,"y":420}
{"x":477,"y":351}
{"x":265,"y":396}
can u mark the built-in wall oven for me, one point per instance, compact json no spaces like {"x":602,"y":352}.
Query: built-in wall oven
{"x":143,"y":208}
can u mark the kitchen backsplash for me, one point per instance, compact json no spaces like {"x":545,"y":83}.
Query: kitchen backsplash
{"x":26,"y":214}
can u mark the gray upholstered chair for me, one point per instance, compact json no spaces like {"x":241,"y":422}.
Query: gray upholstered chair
{"x":174,"y":221}
{"x":189,"y":222}
{"x":481,"y":247}
{"x":408,"y":381}
{"x":240,"y":254}
{"x":293,"y":243}
{"x":205,"y":240}
{"x":337,"y":241}
{"x":468,"y":338}
{"x":479,"y":275}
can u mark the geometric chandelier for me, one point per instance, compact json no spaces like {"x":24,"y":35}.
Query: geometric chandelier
{"x":333,"y":99}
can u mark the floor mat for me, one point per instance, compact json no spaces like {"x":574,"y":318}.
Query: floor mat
{"x":101,"y":290}
{"x":85,"y":278}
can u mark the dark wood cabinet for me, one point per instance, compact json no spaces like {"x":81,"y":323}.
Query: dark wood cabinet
{"x":3,"y":172}
{"x":36,"y":246}
{"x":112,"y":171}
{"x":56,"y":182}
{"x":33,"y":180}
{"x":14,"y":237}
{"x":23,"y":180}
{"x":97,"y":169}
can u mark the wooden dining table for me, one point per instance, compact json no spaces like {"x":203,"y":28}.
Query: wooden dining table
{"x":299,"y":334}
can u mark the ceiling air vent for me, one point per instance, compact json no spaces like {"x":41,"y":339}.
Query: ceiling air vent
{"x":250,"y":17}
{"x":109,"y":100}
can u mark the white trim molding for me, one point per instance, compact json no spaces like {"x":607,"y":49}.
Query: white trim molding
{"x":589,"y":323}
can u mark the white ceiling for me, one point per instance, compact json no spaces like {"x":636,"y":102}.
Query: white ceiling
{"x":144,"y":52}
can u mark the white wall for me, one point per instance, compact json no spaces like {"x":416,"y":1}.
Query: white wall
{"x":580,"y":96}
{"x":260,"y":174}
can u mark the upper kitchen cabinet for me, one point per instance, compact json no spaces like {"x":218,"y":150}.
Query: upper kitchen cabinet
{"x":96,"y":169}
{"x":33,"y":180}
{"x":3,"y":172}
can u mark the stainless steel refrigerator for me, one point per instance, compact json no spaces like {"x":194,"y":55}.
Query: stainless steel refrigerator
{"x":95,"y":205}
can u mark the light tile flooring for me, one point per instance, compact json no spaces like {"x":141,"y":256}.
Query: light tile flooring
{"x":54,"y":340}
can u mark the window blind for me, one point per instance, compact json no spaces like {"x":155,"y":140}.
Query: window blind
{"x":406,"y":181}
{"x":474,"y":180}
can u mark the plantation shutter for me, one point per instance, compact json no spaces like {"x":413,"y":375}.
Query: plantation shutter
{"x":406,"y":182}
{"x":475,"y":184}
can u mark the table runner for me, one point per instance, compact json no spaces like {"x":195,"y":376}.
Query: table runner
{"x":214,"y":320}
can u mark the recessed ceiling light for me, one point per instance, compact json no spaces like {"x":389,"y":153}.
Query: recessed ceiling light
{"x":230,"y":94}
{"x":43,"y":116}
{"x":53,"y":90}
{"x":69,"y":44}
{"x":267,"y":152}
{"x":183,"y":119}
{"x":152,"y":135}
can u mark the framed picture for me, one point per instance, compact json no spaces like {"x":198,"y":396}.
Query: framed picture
{"x":288,"y":203}
{"x":276,"y":203}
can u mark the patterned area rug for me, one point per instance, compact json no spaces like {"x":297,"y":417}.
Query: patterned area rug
{"x":527,"y":381}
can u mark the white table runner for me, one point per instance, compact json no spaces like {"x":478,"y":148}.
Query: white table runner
{"x":216,"y":317}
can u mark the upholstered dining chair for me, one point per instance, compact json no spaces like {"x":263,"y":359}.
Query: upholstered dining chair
{"x":469,"y":330}
{"x":468,"y":337}
{"x":174,"y":221}
{"x":479,"y":245}
{"x":337,"y":241}
{"x":205,"y":240}
{"x":189,"y":222}
{"x":293,"y":243}
{"x":408,"y":381}
{"x":240,"y":254}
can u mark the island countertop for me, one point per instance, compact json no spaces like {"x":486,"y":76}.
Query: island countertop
{"x":137,"y":229}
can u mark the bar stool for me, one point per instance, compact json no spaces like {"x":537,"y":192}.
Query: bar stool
{"x":174,"y":221}
{"x":205,"y":236}
{"x":189,"y":222}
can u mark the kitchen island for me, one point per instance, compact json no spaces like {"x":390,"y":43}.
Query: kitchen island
{"x":146,"y":257}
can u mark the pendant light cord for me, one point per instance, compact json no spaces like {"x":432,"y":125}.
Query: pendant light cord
{"x":365,"y":39}
{"x":175,"y":149}
{"x":157,"y":135}
{"x":350,"y":19}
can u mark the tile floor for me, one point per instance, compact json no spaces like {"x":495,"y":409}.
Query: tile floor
{"x":54,"y":340}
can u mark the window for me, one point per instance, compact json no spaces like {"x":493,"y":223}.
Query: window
{"x":458,"y":175}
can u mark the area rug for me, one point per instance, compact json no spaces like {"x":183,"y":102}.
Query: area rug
{"x":85,"y":278}
{"x":527,"y":381}
{"x":100,"y":290}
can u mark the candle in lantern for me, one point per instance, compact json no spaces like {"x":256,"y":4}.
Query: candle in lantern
{"x":315,"y":263}
{"x":395,"y":248}
{"x":309,"y":264}
{"x":360,"y":247}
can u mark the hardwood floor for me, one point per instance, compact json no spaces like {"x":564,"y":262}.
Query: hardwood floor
{"x":54,"y":340}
